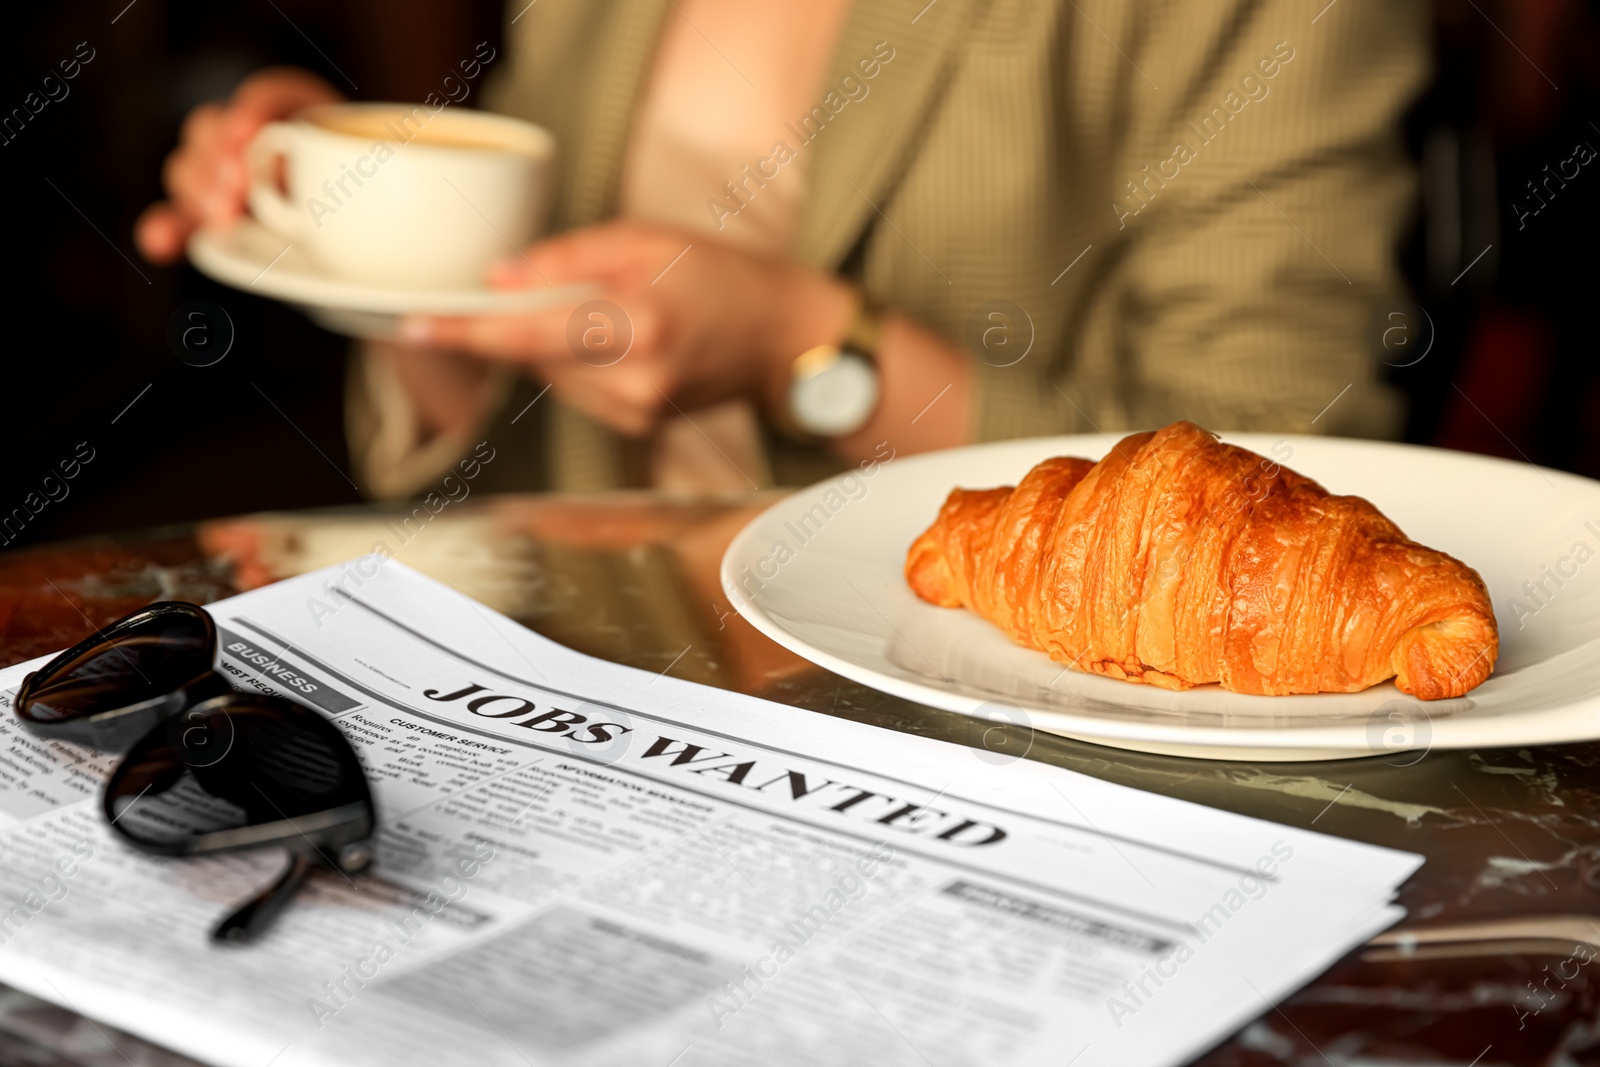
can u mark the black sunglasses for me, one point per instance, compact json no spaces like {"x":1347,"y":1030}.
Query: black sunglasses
{"x":206,"y":768}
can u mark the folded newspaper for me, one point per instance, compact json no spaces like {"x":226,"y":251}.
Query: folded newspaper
{"x":581,"y":863}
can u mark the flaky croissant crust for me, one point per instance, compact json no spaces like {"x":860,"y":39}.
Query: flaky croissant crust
{"x":1178,"y":561}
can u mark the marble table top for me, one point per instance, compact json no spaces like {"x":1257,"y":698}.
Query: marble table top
{"x":1491,"y":965}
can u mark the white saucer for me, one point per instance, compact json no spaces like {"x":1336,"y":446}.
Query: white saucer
{"x":248,"y":256}
{"x":822,"y":573}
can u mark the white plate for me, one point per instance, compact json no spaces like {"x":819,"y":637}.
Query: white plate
{"x":831,"y":589}
{"x":248,"y":256}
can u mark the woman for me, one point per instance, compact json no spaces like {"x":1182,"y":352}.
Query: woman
{"x":975,"y":218}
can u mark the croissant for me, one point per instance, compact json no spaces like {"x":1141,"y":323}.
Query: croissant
{"x":1178,"y":561}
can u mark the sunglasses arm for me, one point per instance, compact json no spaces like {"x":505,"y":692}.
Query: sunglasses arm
{"x":255,"y":915}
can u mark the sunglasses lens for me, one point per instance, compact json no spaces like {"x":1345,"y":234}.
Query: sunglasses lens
{"x":236,"y":771}
{"x":149,"y":657}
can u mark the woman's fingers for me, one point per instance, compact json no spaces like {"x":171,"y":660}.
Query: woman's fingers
{"x":205,"y":176}
{"x":595,"y":336}
{"x":201,"y":127}
{"x":190,"y":172}
{"x":161,"y":233}
{"x":618,"y":255}
{"x":191,"y":177}
{"x":272,"y":94}
{"x":267,"y":97}
{"x":627,"y":390}
{"x":628,"y":399}
{"x":529,"y":338}
{"x":642,"y":350}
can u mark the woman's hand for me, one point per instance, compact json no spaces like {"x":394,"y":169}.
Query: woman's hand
{"x":205,"y":175}
{"x":691,"y":322}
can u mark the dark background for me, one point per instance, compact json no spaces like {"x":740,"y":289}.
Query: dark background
{"x":1509,"y":369}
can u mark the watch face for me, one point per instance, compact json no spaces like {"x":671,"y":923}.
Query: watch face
{"x":838,"y":399}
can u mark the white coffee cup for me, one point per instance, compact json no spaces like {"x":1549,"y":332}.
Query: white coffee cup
{"x":400,"y":194}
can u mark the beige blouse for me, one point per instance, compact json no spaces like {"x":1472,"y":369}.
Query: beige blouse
{"x":728,"y":75}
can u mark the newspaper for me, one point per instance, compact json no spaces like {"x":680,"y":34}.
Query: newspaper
{"x":582,"y":863}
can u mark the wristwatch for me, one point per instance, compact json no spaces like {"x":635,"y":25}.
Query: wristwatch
{"x":834,"y":388}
